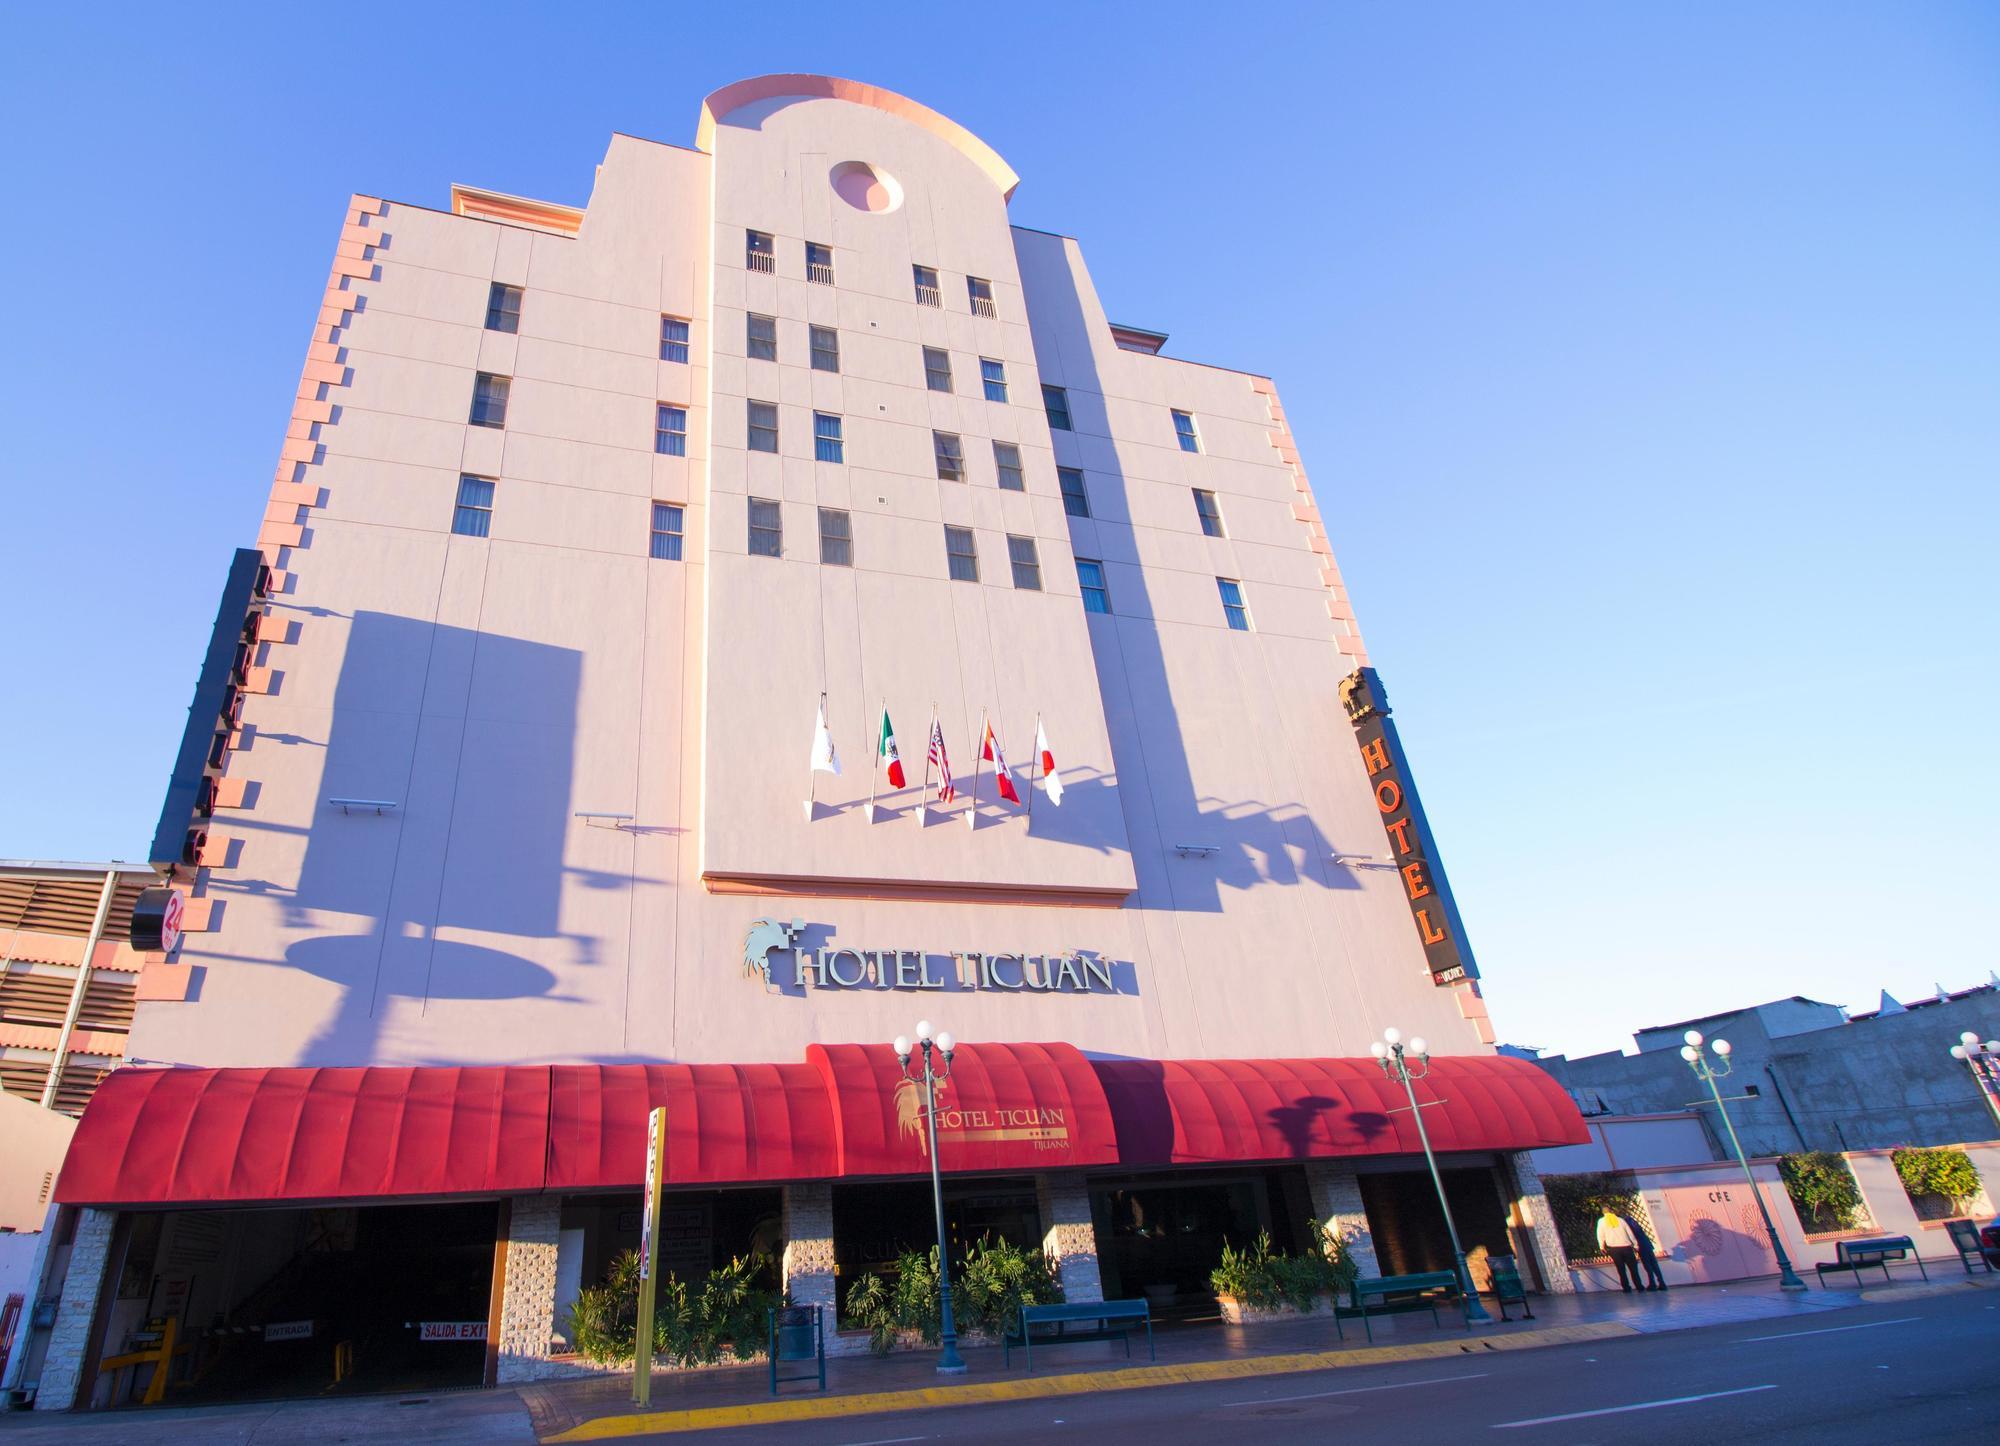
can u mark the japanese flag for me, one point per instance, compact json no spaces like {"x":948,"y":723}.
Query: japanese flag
{"x":1052,"y":782}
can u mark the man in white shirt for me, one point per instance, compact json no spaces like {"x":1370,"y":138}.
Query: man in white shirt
{"x":1615,"y":1237}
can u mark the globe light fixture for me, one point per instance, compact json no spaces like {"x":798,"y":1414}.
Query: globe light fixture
{"x":1708,"y":1070}
{"x":1984,"y":1062}
{"x":931,"y":1079}
{"x":1396,"y":1058}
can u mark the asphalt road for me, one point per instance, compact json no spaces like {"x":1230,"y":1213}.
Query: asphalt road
{"x":1910,"y":1371}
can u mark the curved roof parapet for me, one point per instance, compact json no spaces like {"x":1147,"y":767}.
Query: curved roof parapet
{"x":831,"y":87}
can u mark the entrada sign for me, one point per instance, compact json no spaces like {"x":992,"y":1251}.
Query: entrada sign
{"x":1412,"y":850}
{"x":843,"y":968}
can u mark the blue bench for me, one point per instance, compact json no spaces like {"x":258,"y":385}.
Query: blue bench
{"x":1094,"y":1320}
{"x":1395,"y":1294}
{"x":1855,"y":1256}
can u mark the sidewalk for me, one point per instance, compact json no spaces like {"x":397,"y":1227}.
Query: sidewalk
{"x":600,"y":1408}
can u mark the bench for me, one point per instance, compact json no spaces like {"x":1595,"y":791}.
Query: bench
{"x":1965,"y":1240}
{"x":1396,"y":1294}
{"x":1077,"y":1321}
{"x":1855,"y":1256}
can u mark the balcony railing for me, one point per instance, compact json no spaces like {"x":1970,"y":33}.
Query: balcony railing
{"x":820,"y":271}
{"x":928,"y":296}
{"x":760,"y":261}
{"x":983,"y":306}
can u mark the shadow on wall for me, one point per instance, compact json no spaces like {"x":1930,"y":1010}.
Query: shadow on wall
{"x":1256,"y":841}
{"x":473,"y":737}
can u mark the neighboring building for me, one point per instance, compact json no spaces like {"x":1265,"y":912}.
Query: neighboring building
{"x":1807,"y":1076}
{"x":496,"y":828}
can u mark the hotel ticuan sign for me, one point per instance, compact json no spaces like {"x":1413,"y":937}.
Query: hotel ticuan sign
{"x":769,"y":941}
{"x":1411,"y":849}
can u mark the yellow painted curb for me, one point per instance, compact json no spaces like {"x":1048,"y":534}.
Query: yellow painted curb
{"x":1132,"y":1378}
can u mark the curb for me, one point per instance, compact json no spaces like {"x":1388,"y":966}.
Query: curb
{"x":1132,"y":1378}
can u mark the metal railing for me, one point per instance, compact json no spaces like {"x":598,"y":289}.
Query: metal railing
{"x":928,"y":296}
{"x":820,"y":271}
{"x":983,"y":306}
{"x":760,"y":261}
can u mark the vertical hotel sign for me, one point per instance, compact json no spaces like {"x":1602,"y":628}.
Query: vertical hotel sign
{"x":1411,"y":848}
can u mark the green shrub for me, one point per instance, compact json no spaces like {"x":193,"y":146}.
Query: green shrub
{"x":1945,"y":1174}
{"x":1266,"y":1278}
{"x":1576,"y":1201}
{"x":995,"y":1280}
{"x":724,"y":1310}
{"x":1823,"y":1190}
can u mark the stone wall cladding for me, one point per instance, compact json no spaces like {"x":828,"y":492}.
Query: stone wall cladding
{"x":808,"y":1261}
{"x":1070,"y":1235}
{"x":1533,"y":1205}
{"x":69,"y":1339}
{"x":528,"y":1297}
{"x":1336,"y":1200}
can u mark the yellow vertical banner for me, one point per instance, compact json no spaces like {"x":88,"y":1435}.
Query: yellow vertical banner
{"x":649,"y":1256}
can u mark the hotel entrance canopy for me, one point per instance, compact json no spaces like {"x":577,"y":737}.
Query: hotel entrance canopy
{"x":194,"y":1137}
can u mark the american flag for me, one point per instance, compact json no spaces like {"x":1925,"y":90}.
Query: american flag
{"x":942,"y":763}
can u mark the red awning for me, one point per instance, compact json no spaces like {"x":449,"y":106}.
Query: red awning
{"x":1007,"y":1107}
{"x":1207,"y":1111}
{"x":726,"y":1124}
{"x":204,"y":1136}
{"x":242,"y":1136}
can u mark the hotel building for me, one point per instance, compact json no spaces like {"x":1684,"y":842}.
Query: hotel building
{"x":495,"y":827}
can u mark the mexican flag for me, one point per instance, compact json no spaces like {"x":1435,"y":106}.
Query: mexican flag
{"x":889,"y":758}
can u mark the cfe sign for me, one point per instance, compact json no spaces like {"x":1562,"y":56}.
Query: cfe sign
{"x":1411,"y":848}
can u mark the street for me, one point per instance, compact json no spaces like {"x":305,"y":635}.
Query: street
{"x":1907,"y":1371}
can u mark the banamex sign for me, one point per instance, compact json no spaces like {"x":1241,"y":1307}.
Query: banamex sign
{"x":844,"y":968}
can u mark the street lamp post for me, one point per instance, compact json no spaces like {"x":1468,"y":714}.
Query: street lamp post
{"x":1394,"y":1056}
{"x":949,"y":1362}
{"x":1710,"y":1067}
{"x":1975,"y":1054}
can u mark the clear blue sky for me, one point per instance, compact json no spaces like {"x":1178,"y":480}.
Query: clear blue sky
{"x":1646,"y":361}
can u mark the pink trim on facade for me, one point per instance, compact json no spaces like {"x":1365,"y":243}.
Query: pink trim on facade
{"x":1346,"y":628}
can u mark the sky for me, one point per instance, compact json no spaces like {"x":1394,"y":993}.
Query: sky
{"x":1645,"y":361}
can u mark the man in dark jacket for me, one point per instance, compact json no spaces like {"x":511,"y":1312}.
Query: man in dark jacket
{"x":1649,"y":1257}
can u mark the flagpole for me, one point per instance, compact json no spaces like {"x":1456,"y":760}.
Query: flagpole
{"x":1034,"y":762}
{"x":875,"y":770}
{"x":978,"y":757}
{"x":812,"y":782}
{"x":924,"y":793}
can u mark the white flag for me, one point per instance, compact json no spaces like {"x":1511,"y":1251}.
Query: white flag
{"x":1051,"y":780}
{"x":824,"y":759}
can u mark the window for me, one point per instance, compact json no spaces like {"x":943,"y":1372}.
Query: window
{"x":1007,"y":462}
{"x":489,"y":400}
{"x":927,"y":286}
{"x":819,"y":263}
{"x":1076,"y":502}
{"x":758,"y":252}
{"x":1211,"y":515}
{"x":836,"y":538}
{"x":666,"y":532}
{"x":950,"y":459}
{"x":763,"y":427}
{"x":825,"y":349}
{"x":760,"y":337}
{"x":994,"y":375}
{"x":937,"y":369}
{"x":474,"y":513}
{"x":979,"y":291}
{"x":1055,"y":401}
{"x":1027,"y":566}
{"x":767,"y":536}
{"x":1184,"y":429}
{"x":826,"y":438}
{"x":1232,"y":604}
{"x":673,"y":338}
{"x":503,"y":308}
{"x":670,"y":431}
{"x":1090,"y":577}
{"x":960,"y":556}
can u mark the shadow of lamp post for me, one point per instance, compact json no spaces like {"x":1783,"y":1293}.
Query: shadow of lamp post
{"x":1710,"y":1062}
{"x":931,"y":1080}
{"x":1395,"y":1058}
